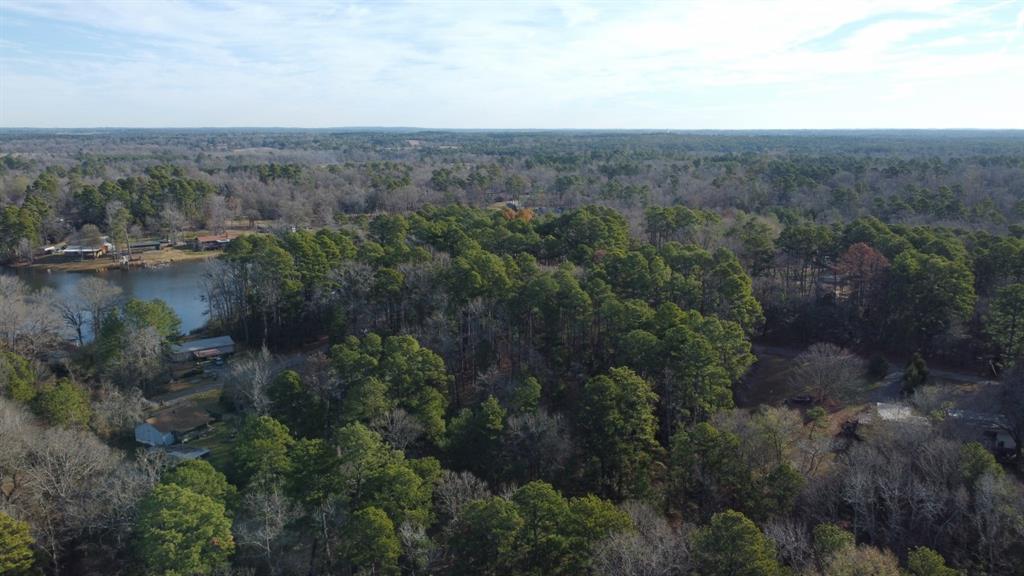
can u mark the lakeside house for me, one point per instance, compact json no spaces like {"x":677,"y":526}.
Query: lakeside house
{"x":144,"y":245}
{"x":202,"y":349}
{"x":171,"y":425}
{"x":213,"y":242}
{"x":95,"y":250}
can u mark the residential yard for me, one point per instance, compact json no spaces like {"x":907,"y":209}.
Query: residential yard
{"x":209,"y":401}
{"x":219,"y":441}
{"x":221,"y":435}
{"x":767,"y":382}
{"x":149,"y":258}
{"x":178,"y":385}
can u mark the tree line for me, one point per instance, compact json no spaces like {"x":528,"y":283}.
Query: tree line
{"x":539,"y":387}
{"x":506,"y":392}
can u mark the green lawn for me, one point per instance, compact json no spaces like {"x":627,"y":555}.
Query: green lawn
{"x":219,"y":441}
{"x":209,"y":401}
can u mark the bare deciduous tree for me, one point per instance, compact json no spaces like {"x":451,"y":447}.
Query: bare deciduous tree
{"x":792,"y":542}
{"x":91,"y":300}
{"x":536,"y":446}
{"x":17,"y":430}
{"x":117,"y":410}
{"x":655,"y":548}
{"x":398,"y":428}
{"x":1011,"y":402}
{"x":171,"y":222}
{"x":140,"y":359}
{"x":419,"y":552}
{"x":75,"y":316}
{"x":998,"y":519}
{"x":28,"y":322}
{"x":97,"y":297}
{"x":68,"y":484}
{"x":249,"y":379}
{"x":216,"y":213}
{"x":827,"y":370}
{"x":118,"y":225}
{"x":456,"y":490}
{"x":261,"y":524}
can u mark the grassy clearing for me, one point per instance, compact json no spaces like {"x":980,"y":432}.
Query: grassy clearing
{"x":219,"y":441}
{"x":767,"y":382}
{"x":222,"y":433}
{"x":209,"y":401}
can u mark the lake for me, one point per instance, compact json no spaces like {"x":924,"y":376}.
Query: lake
{"x":179,"y":285}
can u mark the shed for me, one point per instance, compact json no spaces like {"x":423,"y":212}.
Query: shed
{"x":165,"y":427}
{"x":202,"y":348}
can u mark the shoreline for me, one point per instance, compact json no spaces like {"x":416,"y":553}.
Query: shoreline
{"x":148,"y":259}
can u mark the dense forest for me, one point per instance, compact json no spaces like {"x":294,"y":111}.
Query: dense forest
{"x":528,"y":353}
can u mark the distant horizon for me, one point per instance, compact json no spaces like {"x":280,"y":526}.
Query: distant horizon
{"x":442,"y":129}
{"x":558,"y":65}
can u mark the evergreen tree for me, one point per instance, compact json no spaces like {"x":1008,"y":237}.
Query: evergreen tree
{"x":182,"y":533}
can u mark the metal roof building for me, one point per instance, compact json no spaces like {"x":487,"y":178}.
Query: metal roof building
{"x":204,"y":348}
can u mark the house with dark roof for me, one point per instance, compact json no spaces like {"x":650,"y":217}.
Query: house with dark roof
{"x":169,"y":425}
{"x":212,"y":242}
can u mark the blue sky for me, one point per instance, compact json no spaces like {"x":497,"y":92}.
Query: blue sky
{"x":726,"y":64}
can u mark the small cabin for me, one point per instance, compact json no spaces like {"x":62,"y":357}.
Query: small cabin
{"x":203,"y":348}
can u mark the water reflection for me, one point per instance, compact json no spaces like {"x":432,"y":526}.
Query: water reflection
{"x":177,"y":284}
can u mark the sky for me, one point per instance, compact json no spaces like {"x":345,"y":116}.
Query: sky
{"x":725,"y":64}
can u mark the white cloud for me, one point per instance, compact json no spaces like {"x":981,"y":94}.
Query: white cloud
{"x":571,"y":64}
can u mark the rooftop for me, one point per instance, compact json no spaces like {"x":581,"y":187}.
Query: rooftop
{"x":202,"y":344}
{"x":182,"y":452}
{"x":181,"y":418}
{"x":898,"y":412}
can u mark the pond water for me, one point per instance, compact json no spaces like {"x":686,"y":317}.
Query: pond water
{"x":179,"y":285}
